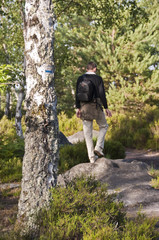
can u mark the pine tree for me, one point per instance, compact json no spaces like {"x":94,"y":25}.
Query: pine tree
{"x":125,"y":52}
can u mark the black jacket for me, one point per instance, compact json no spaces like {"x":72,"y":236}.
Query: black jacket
{"x":98,"y":82}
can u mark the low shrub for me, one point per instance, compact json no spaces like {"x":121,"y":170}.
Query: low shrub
{"x":11,"y":152}
{"x":80,"y":209}
{"x":71,"y":155}
{"x":155,"y":174}
{"x":69,"y":126}
{"x":10,"y":144}
{"x":11,"y":170}
{"x":153,"y":141}
{"x":133,"y":131}
{"x":84,"y":210}
{"x":155,"y":182}
{"x":114,"y":150}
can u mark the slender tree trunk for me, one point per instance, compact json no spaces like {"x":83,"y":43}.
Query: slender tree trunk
{"x":7,"y":106}
{"x":41,"y":136}
{"x":18,"y":115}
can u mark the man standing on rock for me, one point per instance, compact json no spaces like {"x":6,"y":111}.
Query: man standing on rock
{"x":90,"y":100}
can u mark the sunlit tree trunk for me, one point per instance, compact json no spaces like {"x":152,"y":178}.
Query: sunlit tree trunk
{"x":18,"y":115}
{"x":41,"y":136}
{"x":7,"y":106}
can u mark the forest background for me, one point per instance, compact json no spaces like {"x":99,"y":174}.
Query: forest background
{"x":120,"y":36}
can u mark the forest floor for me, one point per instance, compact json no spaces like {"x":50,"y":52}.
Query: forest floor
{"x":9,"y":192}
{"x":9,"y":195}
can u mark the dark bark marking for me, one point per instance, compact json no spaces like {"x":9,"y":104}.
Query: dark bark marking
{"x":34,"y":21}
{"x":34,"y":37}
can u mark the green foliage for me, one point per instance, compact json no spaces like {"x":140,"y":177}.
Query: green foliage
{"x":124,"y":43}
{"x":11,"y":152}
{"x":11,"y":145}
{"x":114,"y":150}
{"x":10,"y":74}
{"x":11,"y":33}
{"x":153,"y":142}
{"x":133,"y":130}
{"x":140,"y":228}
{"x":11,"y":192}
{"x":71,"y":155}
{"x":103,"y":13}
{"x":155,"y":174}
{"x":82,"y":207}
{"x":84,"y":210}
{"x":11,"y":49}
{"x":11,"y":170}
{"x":69,"y":126}
{"x":155,"y":182}
{"x":136,"y":130}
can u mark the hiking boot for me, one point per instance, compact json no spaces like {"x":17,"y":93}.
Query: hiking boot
{"x":99,"y":153}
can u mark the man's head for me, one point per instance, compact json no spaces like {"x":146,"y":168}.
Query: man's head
{"x":91,"y":66}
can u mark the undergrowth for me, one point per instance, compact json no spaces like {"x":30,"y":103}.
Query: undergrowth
{"x":84,"y":210}
{"x":133,"y":130}
{"x":155,"y":174}
{"x":11,"y":152}
{"x":155,"y":182}
{"x":71,"y":155}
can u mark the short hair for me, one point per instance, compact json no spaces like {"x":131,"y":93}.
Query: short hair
{"x":91,"y":65}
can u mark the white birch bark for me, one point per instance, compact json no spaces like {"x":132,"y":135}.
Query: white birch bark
{"x":41,"y":136}
{"x":7,"y":106}
{"x":18,"y":115}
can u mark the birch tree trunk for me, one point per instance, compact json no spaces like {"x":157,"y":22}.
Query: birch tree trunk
{"x":7,"y":106}
{"x":41,"y":137}
{"x":18,"y":115}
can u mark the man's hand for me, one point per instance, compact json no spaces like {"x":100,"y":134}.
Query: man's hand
{"x":78,"y":113}
{"x":108,"y":112}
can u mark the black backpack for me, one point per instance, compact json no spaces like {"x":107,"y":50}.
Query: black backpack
{"x":86,"y":90}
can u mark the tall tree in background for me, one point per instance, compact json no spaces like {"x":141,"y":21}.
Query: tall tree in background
{"x":123,"y":42}
{"x":11,"y":57}
{"x":41,"y":137}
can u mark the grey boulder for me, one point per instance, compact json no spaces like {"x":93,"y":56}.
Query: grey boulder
{"x":128,"y":179}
